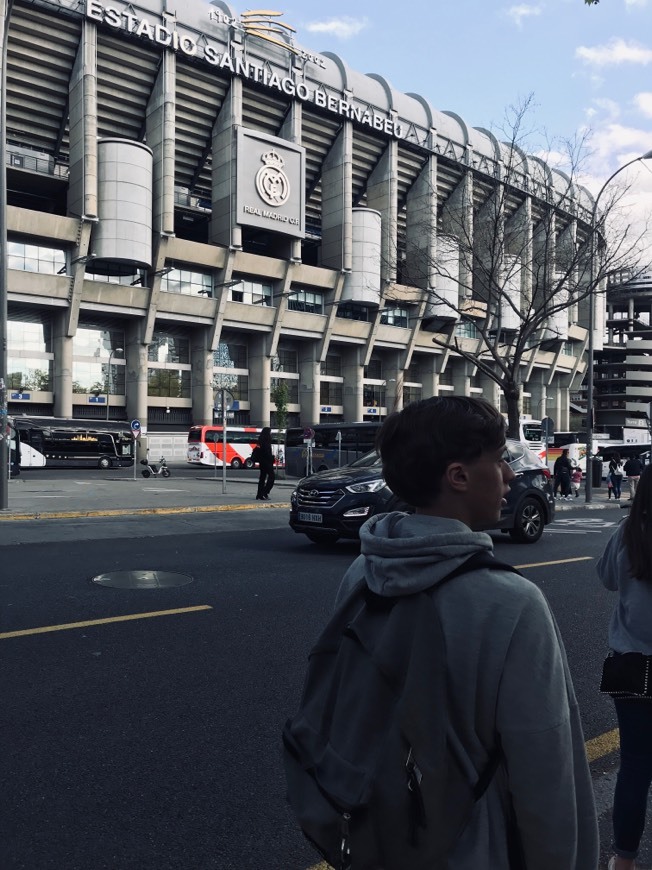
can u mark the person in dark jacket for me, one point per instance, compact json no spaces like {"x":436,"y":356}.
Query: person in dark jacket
{"x":625,"y":567}
{"x":616,"y":471}
{"x":633,"y":470}
{"x":266,"y":463}
{"x":562,"y":472}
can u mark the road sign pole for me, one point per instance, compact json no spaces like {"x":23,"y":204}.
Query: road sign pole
{"x":135,"y":431}
{"x":223,"y":440}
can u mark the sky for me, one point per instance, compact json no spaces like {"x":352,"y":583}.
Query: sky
{"x":588,"y":69}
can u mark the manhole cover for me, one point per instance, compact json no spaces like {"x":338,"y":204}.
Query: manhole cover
{"x":141,"y":579}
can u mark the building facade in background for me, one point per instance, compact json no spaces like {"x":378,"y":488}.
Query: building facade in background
{"x":623,"y":368}
{"x":195,"y":202}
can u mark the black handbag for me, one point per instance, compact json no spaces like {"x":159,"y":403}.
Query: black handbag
{"x":627,"y":675}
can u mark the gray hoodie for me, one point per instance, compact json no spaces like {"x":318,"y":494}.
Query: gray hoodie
{"x":508,"y":679}
{"x":630,"y":629}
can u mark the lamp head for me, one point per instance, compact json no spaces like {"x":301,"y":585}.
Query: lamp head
{"x":646,"y":156}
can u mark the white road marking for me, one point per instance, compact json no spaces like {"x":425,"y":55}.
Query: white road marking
{"x":161,"y":490}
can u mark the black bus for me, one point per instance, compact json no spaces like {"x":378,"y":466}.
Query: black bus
{"x":57,"y":442}
{"x":328,"y":450}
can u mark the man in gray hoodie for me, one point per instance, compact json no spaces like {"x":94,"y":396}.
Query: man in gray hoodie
{"x":508,"y":679}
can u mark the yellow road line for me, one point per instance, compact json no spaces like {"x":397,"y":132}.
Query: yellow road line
{"x":603,"y":744}
{"x":91,"y":622}
{"x":555,"y":562}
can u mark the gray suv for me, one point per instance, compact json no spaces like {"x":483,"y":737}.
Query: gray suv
{"x":334,"y":504}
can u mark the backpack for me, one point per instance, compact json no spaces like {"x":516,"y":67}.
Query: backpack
{"x":256,"y":454}
{"x":370,"y":776}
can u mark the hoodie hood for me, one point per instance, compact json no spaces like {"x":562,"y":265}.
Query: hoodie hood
{"x":406,"y":553}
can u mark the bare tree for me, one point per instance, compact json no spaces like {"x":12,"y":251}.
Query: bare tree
{"x":517,"y":267}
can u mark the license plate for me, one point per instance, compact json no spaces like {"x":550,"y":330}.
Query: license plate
{"x":309,"y":518}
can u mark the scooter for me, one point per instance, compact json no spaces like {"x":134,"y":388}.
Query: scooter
{"x":152,"y":470}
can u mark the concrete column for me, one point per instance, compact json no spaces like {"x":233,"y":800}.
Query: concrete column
{"x":518,"y":231}
{"x":337,"y":202}
{"x":429,"y":377}
{"x":457,"y":220}
{"x":223,"y":227}
{"x":136,"y":373}
{"x":382,"y":196}
{"x":62,"y":373}
{"x":160,"y":127}
{"x":259,"y":381}
{"x":309,"y":382}
{"x":421,"y":228}
{"x":353,"y":374}
{"x":82,"y":186}
{"x":203,"y":394}
{"x":461,"y":378}
{"x":291,"y":130}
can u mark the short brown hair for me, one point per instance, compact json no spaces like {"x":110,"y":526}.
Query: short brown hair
{"x":418,"y":443}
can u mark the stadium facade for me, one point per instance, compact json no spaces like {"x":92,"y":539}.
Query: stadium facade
{"x":196,"y":202}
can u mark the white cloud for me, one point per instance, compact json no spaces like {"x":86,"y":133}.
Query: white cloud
{"x":614,"y":53}
{"x":519,"y":13}
{"x":631,"y":3}
{"x":602,"y":110}
{"x":643,"y":103}
{"x":342,"y":28}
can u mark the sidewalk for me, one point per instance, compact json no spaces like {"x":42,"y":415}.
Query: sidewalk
{"x":52,"y":498}
{"x":600,"y":501}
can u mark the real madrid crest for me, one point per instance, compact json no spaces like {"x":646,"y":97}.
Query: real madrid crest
{"x":272,"y":183}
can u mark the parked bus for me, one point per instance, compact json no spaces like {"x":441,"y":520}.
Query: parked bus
{"x":327,"y":450}
{"x":58,"y":443}
{"x":205,"y":446}
{"x":532,"y":435}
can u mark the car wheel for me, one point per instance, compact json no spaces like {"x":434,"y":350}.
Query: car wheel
{"x":321,"y":538}
{"x":528,"y":522}
{"x":104,"y":462}
{"x":236,"y":463}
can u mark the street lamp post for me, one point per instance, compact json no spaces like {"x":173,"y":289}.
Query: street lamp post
{"x":108,"y":378}
{"x":5,"y":12}
{"x":588,"y":481}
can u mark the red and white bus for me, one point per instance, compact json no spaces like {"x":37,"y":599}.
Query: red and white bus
{"x":205,"y":446}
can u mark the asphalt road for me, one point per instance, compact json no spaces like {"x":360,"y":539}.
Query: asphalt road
{"x":153,"y":742}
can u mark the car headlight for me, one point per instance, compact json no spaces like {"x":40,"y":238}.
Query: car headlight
{"x":369,"y":486}
{"x":293,"y":496}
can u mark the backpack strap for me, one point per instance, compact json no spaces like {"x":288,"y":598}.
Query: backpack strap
{"x":478,"y":560}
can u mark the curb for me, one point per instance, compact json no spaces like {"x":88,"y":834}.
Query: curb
{"x":121,"y":512}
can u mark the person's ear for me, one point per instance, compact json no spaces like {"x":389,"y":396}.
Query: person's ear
{"x":457,"y":477}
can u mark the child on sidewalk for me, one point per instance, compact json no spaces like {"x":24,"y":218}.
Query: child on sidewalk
{"x":576,"y":480}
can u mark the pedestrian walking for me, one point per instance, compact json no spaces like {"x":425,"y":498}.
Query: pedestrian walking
{"x":576,"y":480}
{"x":265,"y":459}
{"x":625,"y":567}
{"x":616,"y":471}
{"x":506,"y":682}
{"x":633,"y":468}
{"x":562,"y":472}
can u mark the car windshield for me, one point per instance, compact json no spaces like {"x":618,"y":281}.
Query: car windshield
{"x":367,"y":461}
{"x":519,"y":456}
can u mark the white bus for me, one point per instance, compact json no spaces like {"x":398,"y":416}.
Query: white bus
{"x":532,"y":435}
{"x":205,"y":446}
